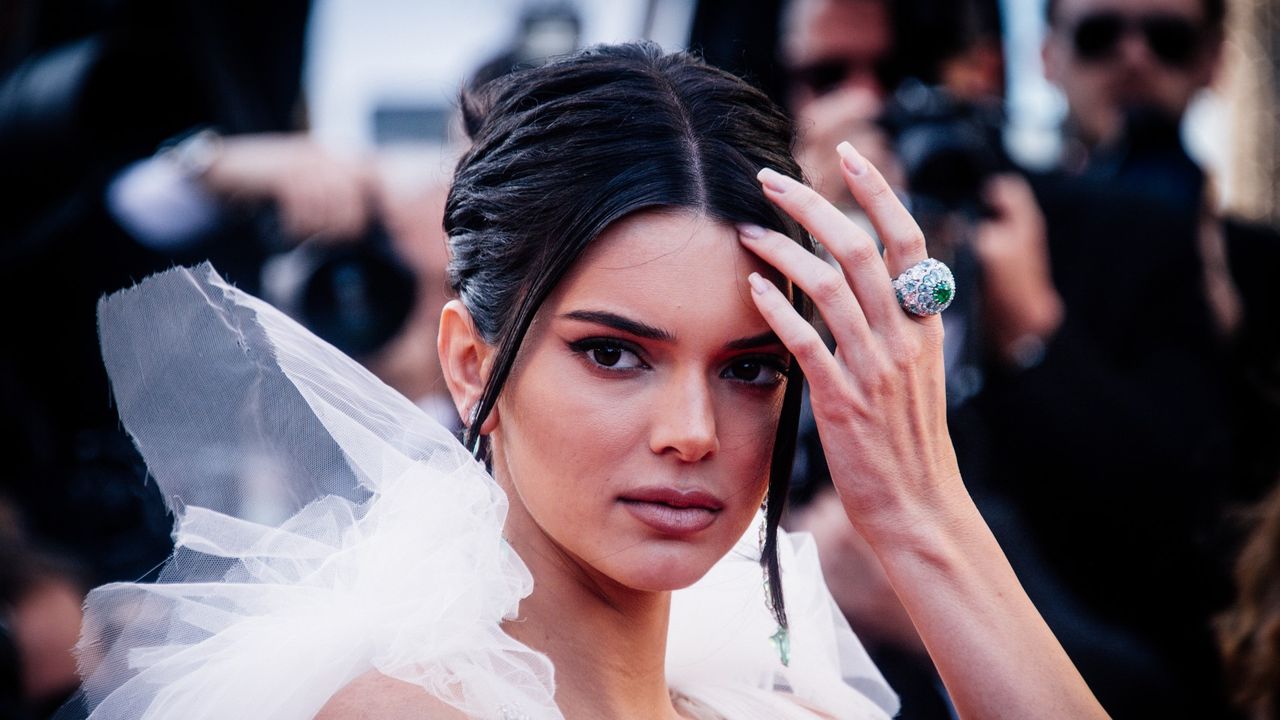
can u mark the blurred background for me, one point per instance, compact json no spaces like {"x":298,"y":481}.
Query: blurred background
{"x":1102,"y":175}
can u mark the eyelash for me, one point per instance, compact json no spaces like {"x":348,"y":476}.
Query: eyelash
{"x":588,"y":346}
{"x":775,"y":366}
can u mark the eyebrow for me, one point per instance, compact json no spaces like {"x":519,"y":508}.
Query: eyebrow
{"x":768,"y":337}
{"x":649,"y":332}
{"x":618,"y":322}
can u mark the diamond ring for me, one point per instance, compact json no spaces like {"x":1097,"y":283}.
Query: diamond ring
{"x":926,"y":288}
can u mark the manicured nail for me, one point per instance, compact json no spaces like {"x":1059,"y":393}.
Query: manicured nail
{"x":749,"y":231}
{"x":758,"y":284}
{"x":851,"y":159}
{"x":773,"y":180}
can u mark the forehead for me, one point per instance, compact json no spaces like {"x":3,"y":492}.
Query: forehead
{"x":671,"y":267}
{"x":1070,"y":9}
{"x":819,"y":30}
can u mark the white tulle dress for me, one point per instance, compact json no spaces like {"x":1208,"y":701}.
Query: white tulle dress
{"x":326,"y":527}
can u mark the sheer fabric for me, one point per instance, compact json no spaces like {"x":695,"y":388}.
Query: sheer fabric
{"x":325,"y":526}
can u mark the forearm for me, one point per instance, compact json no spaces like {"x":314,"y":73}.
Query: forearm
{"x":992,"y":649}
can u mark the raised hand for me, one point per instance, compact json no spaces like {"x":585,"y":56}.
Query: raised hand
{"x":879,"y":398}
{"x":880,"y":406}
{"x":316,"y":192}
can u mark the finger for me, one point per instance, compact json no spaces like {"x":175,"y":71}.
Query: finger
{"x":849,"y":244}
{"x":903,"y":241}
{"x":357,"y":182}
{"x":292,"y":208}
{"x":799,"y":337}
{"x":348,"y":210}
{"x":332,"y":191}
{"x":821,"y":282}
{"x":311,"y":203}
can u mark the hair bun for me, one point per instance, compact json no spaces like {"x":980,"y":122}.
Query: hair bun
{"x":476,"y":101}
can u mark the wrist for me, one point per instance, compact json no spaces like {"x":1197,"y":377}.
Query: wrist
{"x":938,"y":544}
{"x":919,"y":527}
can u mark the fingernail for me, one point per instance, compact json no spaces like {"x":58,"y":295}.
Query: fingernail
{"x":851,"y":158}
{"x":773,"y":180}
{"x":758,"y":284}
{"x":753,"y":232}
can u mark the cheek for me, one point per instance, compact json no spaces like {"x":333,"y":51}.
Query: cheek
{"x":568,"y":418}
{"x":748,"y":431}
{"x":562,"y":438}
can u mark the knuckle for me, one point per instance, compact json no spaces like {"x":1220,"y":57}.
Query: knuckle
{"x":807,"y":201}
{"x":877,"y":376}
{"x":880,"y":193}
{"x":829,"y":286}
{"x":808,"y":349}
{"x":907,"y":360}
{"x":913,"y":242}
{"x":906,"y":349}
{"x":841,"y":409}
{"x":861,"y":254}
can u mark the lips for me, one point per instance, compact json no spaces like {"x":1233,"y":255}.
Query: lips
{"x":671,"y":511}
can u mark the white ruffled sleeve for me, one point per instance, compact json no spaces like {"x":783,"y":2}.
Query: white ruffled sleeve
{"x":325,"y":527}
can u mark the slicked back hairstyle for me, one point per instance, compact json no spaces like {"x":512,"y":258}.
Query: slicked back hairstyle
{"x":562,"y":151}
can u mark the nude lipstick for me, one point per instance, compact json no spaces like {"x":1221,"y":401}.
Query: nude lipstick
{"x":671,"y":511}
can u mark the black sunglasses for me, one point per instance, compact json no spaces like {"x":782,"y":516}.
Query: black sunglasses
{"x":1174,"y":40}
{"x":825,"y":76}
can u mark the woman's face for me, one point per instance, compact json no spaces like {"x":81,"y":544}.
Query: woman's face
{"x":637,"y":426}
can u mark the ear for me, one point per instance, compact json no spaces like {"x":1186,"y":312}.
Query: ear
{"x":465,"y":360}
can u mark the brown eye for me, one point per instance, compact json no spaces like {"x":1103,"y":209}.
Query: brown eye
{"x":606,"y":356}
{"x":755,"y":371}
{"x":609,"y":354}
{"x":746,"y":371}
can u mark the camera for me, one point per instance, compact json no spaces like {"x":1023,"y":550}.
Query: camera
{"x":948,"y":148}
{"x":355,"y":295}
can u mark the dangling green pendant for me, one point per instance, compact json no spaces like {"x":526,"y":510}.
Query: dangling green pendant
{"x":782,"y":643}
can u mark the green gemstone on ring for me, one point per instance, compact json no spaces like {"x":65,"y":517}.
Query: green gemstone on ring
{"x":942,"y":293}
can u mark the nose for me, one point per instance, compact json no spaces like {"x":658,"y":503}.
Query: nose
{"x":865,"y":85}
{"x":1133,"y":50}
{"x":684,"y":419}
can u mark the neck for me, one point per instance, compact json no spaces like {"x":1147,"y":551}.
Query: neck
{"x":607,"y":643}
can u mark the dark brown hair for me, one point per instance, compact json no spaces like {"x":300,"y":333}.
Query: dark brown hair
{"x":1249,"y":632}
{"x":562,"y":151}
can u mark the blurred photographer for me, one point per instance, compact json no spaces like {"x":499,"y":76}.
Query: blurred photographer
{"x":134,"y":135}
{"x":1089,"y":388}
{"x":982,"y":216}
{"x":311,"y":215}
{"x":1129,"y":71}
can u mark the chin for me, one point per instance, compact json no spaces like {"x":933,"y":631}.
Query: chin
{"x":663,"y":569}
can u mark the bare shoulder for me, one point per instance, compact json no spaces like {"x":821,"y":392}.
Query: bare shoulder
{"x":374,"y":696}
